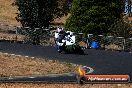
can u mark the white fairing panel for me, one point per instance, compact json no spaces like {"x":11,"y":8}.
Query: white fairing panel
{"x":70,"y":40}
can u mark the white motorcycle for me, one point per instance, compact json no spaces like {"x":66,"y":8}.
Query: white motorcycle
{"x":65,"y":39}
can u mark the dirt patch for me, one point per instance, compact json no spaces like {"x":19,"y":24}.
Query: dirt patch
{"x":22,"y":66}
{"x":6,"y":36}
{"x":113,"y":47}
{"x":8,"y":12}
{"x":30,"y":85}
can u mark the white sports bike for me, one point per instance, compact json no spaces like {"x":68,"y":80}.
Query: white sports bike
{"x":65,"y":39}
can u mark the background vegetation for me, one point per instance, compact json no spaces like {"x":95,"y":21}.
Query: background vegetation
{"x":93,"y":16}
{"x":39,"y":14}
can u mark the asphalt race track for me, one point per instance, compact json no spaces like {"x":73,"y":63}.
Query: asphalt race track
{"x":103,"y":62}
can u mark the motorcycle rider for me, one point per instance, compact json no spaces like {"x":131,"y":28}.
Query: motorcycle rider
{"x":60,"y":36}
